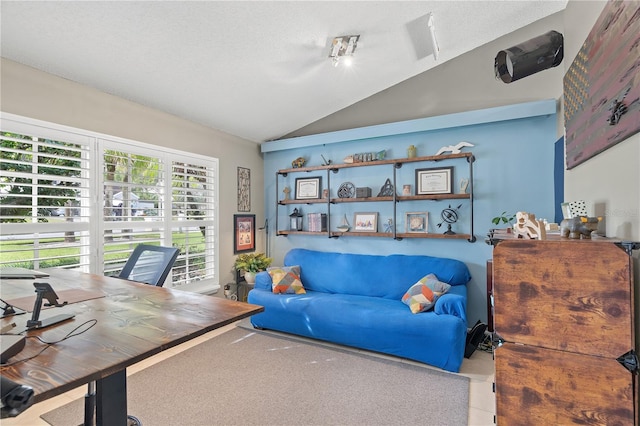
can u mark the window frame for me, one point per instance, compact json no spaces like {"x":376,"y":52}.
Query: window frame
{"x":97,"y":143}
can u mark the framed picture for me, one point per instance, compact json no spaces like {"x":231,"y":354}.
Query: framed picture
{"x":308,"y":188}
{"x":365,"y":222}
{"x":417,"y":222}
{"x":244,"y":189}
{"x":244,"y":233}
{"x":434,"y":181}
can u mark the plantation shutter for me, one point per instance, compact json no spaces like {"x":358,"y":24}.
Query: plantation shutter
{"x":71,"y":198}
{"x":44,"y":194}
{"x":165,"y":200}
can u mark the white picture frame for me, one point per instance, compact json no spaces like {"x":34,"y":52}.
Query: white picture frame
{"x":365,"y":222}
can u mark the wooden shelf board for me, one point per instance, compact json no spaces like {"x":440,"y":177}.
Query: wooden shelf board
{"x":376,"y":163}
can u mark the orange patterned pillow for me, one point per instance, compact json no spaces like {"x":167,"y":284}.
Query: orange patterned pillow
{"x":422,"y":295}
{"x":286,"y":279}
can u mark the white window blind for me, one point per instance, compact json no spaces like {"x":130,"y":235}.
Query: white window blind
{"x":44,"y":190}
{"x":76,"y":199}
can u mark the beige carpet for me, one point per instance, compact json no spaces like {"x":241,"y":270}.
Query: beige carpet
{"x":246,"y":377}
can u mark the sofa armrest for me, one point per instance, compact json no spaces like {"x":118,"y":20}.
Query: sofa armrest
{"x":263,"y":281}
{"x":451,"y":304}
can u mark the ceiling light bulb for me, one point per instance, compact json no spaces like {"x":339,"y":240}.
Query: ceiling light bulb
{"x":348,"y":61}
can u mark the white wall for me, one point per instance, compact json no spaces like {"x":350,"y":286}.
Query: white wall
{"x":36,"y":94}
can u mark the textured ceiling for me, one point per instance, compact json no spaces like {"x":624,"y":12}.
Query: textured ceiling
{"x":258,"y":70}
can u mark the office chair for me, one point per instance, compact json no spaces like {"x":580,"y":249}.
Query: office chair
{"x":147,"y":264}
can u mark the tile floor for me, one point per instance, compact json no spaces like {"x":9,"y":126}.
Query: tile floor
{"x":479,"y":369}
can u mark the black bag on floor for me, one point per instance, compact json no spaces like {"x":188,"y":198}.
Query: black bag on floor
{"x":474,"y":337}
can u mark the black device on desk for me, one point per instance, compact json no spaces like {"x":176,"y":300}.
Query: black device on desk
{"x":8,"y":310}
{"x":45,"y":291}
{"x":15,"y":397}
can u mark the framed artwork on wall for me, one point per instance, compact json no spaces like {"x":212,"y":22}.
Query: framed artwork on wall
{"x":601,"y":87}
{"x":244,"y":189}
{"x":244,"y":233}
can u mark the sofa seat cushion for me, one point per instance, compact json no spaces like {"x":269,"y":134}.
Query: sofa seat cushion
{"x":376,"y":324}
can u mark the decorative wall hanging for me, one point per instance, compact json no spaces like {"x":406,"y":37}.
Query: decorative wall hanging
{"x":602,"y":85}
{"x":244,"y":233}
{"x":244,"y":189}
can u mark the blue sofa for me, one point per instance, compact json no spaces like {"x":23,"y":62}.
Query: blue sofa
{"x":355,"y":300}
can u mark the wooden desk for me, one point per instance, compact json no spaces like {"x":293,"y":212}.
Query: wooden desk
{"x":134,"y":322}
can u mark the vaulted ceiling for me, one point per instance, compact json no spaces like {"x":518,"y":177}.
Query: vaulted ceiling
{"x":254,"y":69}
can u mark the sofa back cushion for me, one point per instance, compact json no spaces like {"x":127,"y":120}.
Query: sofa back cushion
{"x":372,"y":275}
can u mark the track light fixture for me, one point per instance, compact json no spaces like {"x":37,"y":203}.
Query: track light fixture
{"x":343,"y":46}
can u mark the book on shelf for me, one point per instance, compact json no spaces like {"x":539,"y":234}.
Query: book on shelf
{"x":317,"y":222}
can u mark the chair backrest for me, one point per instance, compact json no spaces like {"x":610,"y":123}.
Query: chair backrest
{"x":149,"y":264}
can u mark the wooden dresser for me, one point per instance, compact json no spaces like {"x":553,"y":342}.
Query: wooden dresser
{"x":564,"y":314}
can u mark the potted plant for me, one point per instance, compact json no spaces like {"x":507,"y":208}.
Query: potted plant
{"x":251,"y":264}
{"x":504,"y":218}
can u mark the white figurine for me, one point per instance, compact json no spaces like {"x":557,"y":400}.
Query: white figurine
{"x":527,"y":226}
{"x":464,"y":184}
{"x":454,"y":149}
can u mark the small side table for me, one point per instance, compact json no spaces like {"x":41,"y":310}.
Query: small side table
{"x":242,"y":287}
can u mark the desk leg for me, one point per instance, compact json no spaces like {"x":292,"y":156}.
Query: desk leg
{"x":111,"y":403}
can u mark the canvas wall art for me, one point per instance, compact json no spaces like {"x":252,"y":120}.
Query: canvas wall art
{"x":602,"y":86}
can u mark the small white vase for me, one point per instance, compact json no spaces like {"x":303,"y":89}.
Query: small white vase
{"x":250,"y":277}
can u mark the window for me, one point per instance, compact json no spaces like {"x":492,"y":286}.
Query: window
{"x":56,"y":211}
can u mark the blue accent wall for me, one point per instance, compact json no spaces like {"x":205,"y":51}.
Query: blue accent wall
{"x":513,"y":171}
{"x":558,"y":171}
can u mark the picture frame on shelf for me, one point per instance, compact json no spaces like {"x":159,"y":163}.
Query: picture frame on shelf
{"x":308,"y":188}
{"x":566,"y":210}
{"x":434,"y":181}
{"x":416,"y":222}
{"x":244,"y":233}
{"x":365,"y":222}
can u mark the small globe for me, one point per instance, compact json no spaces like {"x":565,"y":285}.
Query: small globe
{"x":449,"y":215}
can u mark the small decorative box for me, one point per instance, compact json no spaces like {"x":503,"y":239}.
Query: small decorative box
{"x":363,"y":192}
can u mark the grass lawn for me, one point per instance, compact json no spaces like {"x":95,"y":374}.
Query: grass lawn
{"x":54,"y":252}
